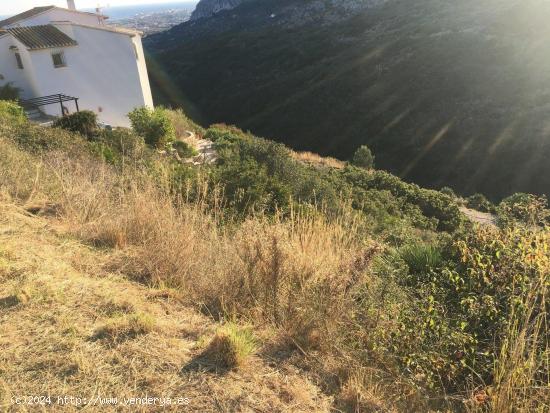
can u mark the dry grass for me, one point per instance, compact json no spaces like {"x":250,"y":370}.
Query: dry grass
{"x":148,"y":339}
{"x":316,"y":160}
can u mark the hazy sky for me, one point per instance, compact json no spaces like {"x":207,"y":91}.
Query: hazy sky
{"x":17,"y":6}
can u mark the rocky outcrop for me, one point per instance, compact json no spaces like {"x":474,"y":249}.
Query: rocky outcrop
{"x":296,"y":11}
{"x":207,"y":8}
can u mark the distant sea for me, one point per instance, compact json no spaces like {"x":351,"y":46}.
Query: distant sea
{"x":125,"y":12}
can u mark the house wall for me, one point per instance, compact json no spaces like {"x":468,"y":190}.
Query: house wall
{"x":102,"y":71}
{"x":56,"y":15}
{"x":24,"y":78}
{"x":143,"y":74}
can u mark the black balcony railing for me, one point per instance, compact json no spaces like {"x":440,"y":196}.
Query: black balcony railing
{"x":59,"y":99}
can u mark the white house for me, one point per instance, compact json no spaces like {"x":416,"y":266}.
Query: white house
{"x":53,"y":54}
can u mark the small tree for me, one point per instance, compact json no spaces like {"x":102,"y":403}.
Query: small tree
{"x":363,"y":158}
{"x":154,"y":125}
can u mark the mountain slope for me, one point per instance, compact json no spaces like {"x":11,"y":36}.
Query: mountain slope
{"x":207,"y":8}
{"x":446,"y":93}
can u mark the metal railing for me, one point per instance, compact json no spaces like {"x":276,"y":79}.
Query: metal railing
{"x":36,"y":103}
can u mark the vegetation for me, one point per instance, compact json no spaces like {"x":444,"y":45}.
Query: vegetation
{"x":480,"y":202}
{"x":9,"y":92}
{"x":363,"y":158}
{"x":231,"y":346}
{"x":12,"y":112}
{"x":378,"y":290}
{"x":154,"y":125}
{"x":83,"y":122}
{"x":433,"y":97}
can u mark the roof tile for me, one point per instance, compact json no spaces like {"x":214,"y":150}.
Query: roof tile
{"x":41,"y":37}
{"x":25,"y":15}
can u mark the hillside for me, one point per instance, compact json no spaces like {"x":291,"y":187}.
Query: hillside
{"x":94,"y":335}
{"x":444,"y":92}
{"x":268,"y":280}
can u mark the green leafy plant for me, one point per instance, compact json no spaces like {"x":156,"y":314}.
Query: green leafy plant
{"x":525,"y":208}
{"x":83,"y":122}
{"x":184,"y":150}
{"x":480,"y":203}
{"x":12,"y":113}
{"x":154,"y":125}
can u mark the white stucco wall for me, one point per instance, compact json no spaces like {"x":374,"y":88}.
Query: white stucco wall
{"x":102,"y":71}
{"x":59,"y":14}
{"x":24,"y":78}
{"x":143,"y":74}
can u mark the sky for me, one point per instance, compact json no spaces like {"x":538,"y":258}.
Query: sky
{"x":8,"y":7}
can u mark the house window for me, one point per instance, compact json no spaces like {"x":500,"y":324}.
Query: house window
{"x":19,"y":61}
{"x":58,"y":59}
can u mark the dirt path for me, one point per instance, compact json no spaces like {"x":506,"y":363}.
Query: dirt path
{"x":483,"y":218}
{"x":70,"y":327}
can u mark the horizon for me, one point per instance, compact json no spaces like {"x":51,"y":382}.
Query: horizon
{"x":22,"y":5}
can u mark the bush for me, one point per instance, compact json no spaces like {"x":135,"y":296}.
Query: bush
{"x":525,"y":208}
{"x":363,"y":158}
{"x":11,"y":113}
{"x":83,"y":122}
{"x":124,"y":142}
{"x":184,"y":150}
{"x":448,"y":191}
{"x":154,"y":125}
{"x":231,"y":346}
{"x":480,"y":203}
{"x":182,"y":123}
{"x":9,"y":92}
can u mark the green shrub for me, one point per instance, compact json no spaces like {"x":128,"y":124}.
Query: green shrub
{"x":363,"y":158}
{"x":525,"y":208}
{"x":11,"y":113}
{"x":154,"y":125}
{"x":433,"y":204}
{"x":83,"y":122}
{"x":125,"y":142}
{"x":448,"y":191}
{"x":182,"y":123}
{"x":9,"y":92}
{"x":480,"y":203}
{"x":184,"y":150}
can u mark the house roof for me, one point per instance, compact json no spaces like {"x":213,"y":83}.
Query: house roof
{"x":103,"y":27}
{"x":39,"y":10}
{"x":25,"y":15}
{"x":41,"y":37}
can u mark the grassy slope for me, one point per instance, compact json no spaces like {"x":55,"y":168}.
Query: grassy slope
{"x":56,"y":294}
{"x":365,"y":297}
{"x":446,"y":93}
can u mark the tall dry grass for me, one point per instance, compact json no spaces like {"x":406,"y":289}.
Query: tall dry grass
{"x":521,"y":381}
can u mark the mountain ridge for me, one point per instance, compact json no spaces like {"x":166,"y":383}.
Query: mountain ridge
{"x":446,"y":94}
